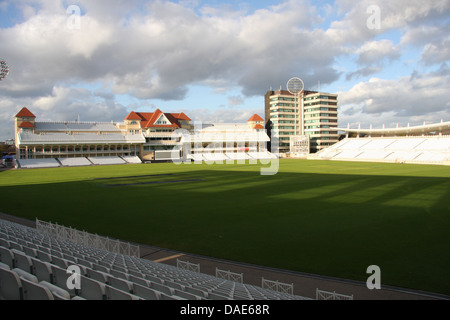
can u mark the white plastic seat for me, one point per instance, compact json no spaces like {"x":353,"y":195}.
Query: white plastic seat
{"x":91,"y":289}
{"x":25,"y":275}
{"x":57,"y":292}
{"x":15,"y":245}
{"x":140,"y":281}
{"x":35,"y":291}
{"x":4,"y":243}
{"x":145,"y":293}
{"x":196,"y":292}
{"x":22,"y":261}
{"x":113,"y":293}
{"x":187,"y":295}
{"x":7,"y":257}
{"x":217,"y":296}
{"x":162,"y":288}
{"x":30,"y":252}
{"x":119,"y":274}
{"x":97,"y":275}
{"x":168,"y":297}
{"x":4,"y":266}
{"x":10,"y":285}
{"x":60,"y":262}
{"x":120,"y":284}
{"x":42,"y":270}
{"x":44,"y":256}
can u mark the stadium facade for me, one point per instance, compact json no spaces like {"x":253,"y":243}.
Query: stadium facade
{"x":142,"y":136}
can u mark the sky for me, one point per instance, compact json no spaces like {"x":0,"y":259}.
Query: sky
{"x":97,"y":60}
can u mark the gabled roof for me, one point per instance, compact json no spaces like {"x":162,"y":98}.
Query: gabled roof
{"x":148,"y":119}
{"x":182,"y":116}
{"x":258,"y":126}
{"x":25,"y":113}
{"x":26,"y":124}
{"x":255,"y":117}
{"x":133,"y":116}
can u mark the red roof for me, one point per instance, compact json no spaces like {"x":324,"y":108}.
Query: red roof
{"x":26,"y":124}
{"x":149,"y":118}
{"x":255,"y":117}
{"x":25,"y":113}
{"x":258,"y":126}
{"x":133,"y":116}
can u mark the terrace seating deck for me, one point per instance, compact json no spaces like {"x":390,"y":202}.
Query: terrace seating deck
{"x":33,"y":265}
{"x":74,"y":162}
{"x":430,"y":150}
{"x":107,"y":160}
{"x":38,"y":163}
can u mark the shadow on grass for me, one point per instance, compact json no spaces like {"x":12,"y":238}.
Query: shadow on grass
{"x":327,"y":224}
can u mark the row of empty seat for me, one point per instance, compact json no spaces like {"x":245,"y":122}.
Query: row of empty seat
{"x":219,"y":156}
{"x":75,"y":162}
{"x":34,"y":266}
{"x":424,"y":149}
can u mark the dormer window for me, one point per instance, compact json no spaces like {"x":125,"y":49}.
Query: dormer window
{"x":162,"y":120}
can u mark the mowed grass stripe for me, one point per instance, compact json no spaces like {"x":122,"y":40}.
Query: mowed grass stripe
{"x":322,"y":217}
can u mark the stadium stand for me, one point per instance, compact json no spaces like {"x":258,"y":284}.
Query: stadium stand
{"x":34,"y":266}
{"x":74,"y":162}
{"x":107,"y":160}
{"x":423,"y":149}
{"x":132,"y":159}
{"x":38,"y":163}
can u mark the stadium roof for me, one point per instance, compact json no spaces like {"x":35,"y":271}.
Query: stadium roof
{"x":256,"y":117}
{"x":25,"y":113}
{"x":26,"y":124}
{"x":442,"y":128}
{"x":149,"y":119}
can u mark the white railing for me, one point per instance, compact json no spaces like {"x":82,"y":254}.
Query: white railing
{"x":228,"y":275}
{"x":278,"y":286}
{"x":185,"y":265}
{"x":325,"y":295}
{"x":87,"y":239}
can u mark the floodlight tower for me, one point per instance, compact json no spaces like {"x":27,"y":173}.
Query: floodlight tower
{"x":295,"y":86}
{"x":4,"y":70}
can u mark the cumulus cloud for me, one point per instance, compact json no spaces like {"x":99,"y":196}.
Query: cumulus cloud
{"x":415,"y":97}
{"x":158,"y":50}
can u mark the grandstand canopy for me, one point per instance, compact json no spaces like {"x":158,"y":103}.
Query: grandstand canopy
{"x":442,"y":128}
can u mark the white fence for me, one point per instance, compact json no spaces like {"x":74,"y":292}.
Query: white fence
{"x":278,"y":286}
{"x":228,"y":275}
{"x":325,"y":295}
{"x":87,"y":239}
{"x":188,"y":266}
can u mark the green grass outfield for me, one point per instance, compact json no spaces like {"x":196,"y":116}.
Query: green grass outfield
{"x":322,"y":217}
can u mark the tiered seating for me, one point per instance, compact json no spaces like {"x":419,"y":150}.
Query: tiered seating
{"x":107,"y":160}
{"x":432,"y":150}
{"x":74,"y":162}
{"x":233,"y":156}
{"x":211,"y":156}
{"x":132,"y":159}
{"x":34,"y":266}
{"x":38,"y":163}
{"x":262,"y":155}
{"x":238,"y":156}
